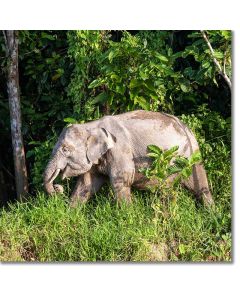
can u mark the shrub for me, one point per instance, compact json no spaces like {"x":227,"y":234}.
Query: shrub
{"x":41,"y":153}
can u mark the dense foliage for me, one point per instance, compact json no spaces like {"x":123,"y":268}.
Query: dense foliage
{"x":77,"y":76}
{"x":149,"y":70}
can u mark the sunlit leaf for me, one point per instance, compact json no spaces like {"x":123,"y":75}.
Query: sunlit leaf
{"x":154,"y":149}
{"x":70,"y":120}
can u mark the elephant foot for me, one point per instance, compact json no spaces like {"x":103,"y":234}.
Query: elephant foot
{"x":73,"y":204}
{"x":208,"y":200}
{"x":124,"y":195}
{"x":58,"y":188}
{"x":75,"y":201}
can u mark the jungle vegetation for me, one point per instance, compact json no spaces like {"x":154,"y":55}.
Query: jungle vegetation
{"x":78,"y":76}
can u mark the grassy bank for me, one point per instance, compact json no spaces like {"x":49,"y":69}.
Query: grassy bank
{"x":46,"y":229}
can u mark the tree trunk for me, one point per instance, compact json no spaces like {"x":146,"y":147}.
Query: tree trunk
{"x":11,"y":40}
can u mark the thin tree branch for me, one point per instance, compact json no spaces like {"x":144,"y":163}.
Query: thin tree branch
{"x":217,"y":64}
{"x":224,"y":62}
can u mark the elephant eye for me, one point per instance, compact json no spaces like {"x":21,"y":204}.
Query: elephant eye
{"x":65,"y":151}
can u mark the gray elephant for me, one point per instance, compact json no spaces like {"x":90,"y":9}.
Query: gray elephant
{"x":114,"y":148}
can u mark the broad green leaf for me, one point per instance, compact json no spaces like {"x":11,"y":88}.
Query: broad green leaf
{"x":186,"y":172}
{"x":101,"y":98}
{"x":155,"y":149}
{"x":151,"y":154}
{"x":183,"y":87}
{"x":96,"y":83}
{"x":143,"y":74}
{"x":149,"y":85}
{"x":206,"y":64}
{"x":34,"y":143}
{"x":170,"y":151}
{"x":135,"y":83}
{"x":198,"y":42}
{"x":112,"y":54}
{"x":173,"y":170}
{"x":195,"y":158}
{"x":143,"y":103}
{"x":49,"y":60}
{"x":189,"y":72}
{"x":218,"y":54}
{"x":154,"y":96}
{"x":189,"y":98}
{"x":70,"y":120}
{"x":227,"y":34}
{"x":177,"y":55}
{"x":120,"y":89}
{"x":181,"y":162}
{"x":167,"y":70}
{"x":116,"y":77}
{"x":161,"y":57}
{"x":47,"y":36}
{"x":30,"y":153}
{"x":170,"y":51}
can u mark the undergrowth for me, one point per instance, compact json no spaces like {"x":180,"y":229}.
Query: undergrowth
{"x":46,"y":229}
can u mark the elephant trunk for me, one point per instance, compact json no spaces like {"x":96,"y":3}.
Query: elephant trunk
{"x":51,"y":172}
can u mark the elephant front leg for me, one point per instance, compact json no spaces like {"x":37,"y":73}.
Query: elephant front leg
{"x":121,"y":171}
{"x":122,"y":193}
{"x":122,"y":186}
{"x":87,"y":185}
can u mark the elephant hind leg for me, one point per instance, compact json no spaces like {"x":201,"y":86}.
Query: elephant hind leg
{"x":198,"y":184}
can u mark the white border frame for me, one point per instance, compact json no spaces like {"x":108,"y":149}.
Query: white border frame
{"x":129,"y":281}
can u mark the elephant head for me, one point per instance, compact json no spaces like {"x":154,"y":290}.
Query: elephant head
{"x":77,"y":150}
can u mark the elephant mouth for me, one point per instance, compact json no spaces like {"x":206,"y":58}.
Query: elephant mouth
{"x":56,"y":173}
{"x":69,"y":171}
{"x":65,"y":172}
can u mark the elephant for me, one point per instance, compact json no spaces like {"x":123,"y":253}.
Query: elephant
{"x":114,"y":148}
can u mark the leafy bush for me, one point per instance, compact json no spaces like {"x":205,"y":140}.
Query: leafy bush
{"x":132,"y":76}
{"x":221,"y":42}
{"x":213,"y":133}
{"x":147,"y":70}
{"x":41,"y":153}
{"x":167,"y":163}
{"x":85,"y":49}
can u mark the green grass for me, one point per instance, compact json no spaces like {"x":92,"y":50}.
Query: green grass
{"x":45,"y":229}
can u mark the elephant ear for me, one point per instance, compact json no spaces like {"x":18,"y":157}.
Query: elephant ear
{"x":98,"y":143}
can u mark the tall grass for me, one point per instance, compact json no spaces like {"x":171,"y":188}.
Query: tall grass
{"x":46,"y":229}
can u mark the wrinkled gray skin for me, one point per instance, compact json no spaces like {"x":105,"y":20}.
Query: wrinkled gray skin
{"x":114,"y":148}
